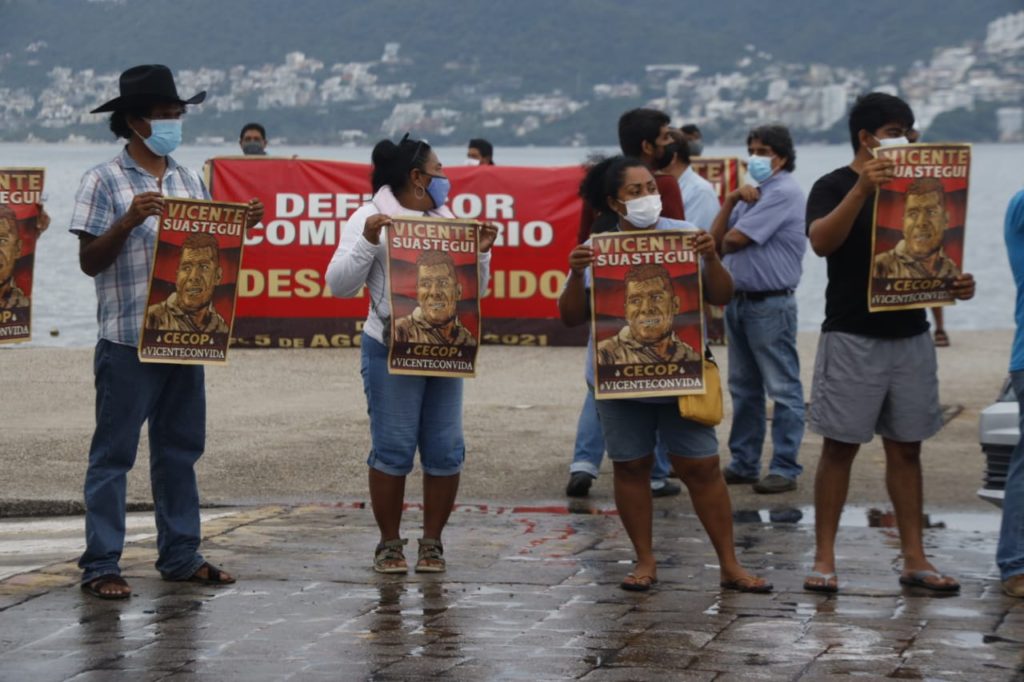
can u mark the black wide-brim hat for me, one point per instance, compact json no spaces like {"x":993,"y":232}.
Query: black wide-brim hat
{"x":144,"y":84}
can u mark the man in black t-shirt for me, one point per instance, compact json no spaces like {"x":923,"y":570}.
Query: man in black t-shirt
{"x":874,"y":372}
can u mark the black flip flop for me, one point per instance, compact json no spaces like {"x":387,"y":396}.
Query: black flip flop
{"x":213,"y":576}
{"x":920,"y":579}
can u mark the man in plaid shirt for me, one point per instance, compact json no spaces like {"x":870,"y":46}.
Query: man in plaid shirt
{"x":115,"y":219}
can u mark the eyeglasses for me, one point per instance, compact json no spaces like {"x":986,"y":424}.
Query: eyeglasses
{"x":415,"y":153}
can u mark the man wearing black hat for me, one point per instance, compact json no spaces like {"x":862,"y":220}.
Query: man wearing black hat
{"x":115,"y":218}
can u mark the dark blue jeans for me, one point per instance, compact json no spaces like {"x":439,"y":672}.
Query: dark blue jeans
{"x":1010,"y":553}
{"x":763,"y":359}
{"x":172,"y":398}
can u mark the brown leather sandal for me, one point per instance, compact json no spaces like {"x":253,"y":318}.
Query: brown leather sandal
{"x":96,"y":585}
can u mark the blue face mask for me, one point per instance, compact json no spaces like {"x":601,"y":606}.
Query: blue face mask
{"x":759,"y":167}
{"x":165,"y":136}
{"x":438,"y":190}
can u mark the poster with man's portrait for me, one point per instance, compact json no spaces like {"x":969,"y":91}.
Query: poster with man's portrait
{"x":21,"y":193}
{"x":434,"y":271}
{"x":917,"y":242}
{"x":723,"y":172}
{"x":647,"y":315}
{"x":192,"y":289}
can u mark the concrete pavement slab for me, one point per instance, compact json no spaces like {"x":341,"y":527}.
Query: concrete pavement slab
{"x":529,"y":595}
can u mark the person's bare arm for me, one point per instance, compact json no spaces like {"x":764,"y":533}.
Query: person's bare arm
{"x":572,"y":303}
{"x":730,"y":240}
{"x":96,"y":254}
{"x":717,"y":280}
{"x":828,"y":233}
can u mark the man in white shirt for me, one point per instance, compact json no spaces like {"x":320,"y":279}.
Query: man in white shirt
{"x":699,"y":196}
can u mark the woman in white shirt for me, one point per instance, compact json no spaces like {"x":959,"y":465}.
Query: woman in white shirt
{"x":406,"y":412}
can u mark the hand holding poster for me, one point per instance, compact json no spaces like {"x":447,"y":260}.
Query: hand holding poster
{"x":646,"y":307}
{"x":917,"y":243}
{"x":21,"y":193}
{"x":434,"y":272}
{"x":192,"y":289}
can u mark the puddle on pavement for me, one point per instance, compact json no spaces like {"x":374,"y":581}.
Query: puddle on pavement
{"x":872,"y":517}
{"x":964,"y":640}
{"x":935,"y":609}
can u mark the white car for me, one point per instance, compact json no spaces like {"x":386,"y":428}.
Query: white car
{"x":998,"y":433}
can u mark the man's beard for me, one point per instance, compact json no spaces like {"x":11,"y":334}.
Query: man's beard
{"x":444,"y":323}
{"x":193,"y":309}
{"x":667,"y":154}
{"x":445,"y":308}
{"x":925,"y":256}
{"x":643,"y":338}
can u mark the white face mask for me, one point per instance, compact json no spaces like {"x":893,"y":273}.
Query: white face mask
{"x":891,"y":141}
{"x":472,"y":162}
{"x":644,"y":211}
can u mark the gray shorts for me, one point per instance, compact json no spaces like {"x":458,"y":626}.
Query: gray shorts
{"x":865,"y":385}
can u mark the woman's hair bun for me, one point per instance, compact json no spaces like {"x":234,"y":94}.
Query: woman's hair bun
{"x":384,"y":152}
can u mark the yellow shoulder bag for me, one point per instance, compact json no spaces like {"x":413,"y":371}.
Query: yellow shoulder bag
{"x":705,"y":408}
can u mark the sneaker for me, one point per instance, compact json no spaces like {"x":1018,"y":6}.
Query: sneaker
{"x":667,"y":489}
{"x":579,"y":484}
{"x":732,"y":478}
{"x":774,"y":483}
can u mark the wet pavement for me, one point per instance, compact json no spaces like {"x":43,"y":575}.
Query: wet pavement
{"x":531,"y":594}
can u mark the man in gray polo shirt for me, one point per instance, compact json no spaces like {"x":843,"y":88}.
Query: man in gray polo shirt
{"x":760,"y":230}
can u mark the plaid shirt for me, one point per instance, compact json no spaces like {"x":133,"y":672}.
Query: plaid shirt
{"x":104,"y":196}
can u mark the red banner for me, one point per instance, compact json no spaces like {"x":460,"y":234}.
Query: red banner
{"x":282,"y":299}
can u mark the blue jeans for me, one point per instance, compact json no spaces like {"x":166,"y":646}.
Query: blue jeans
{"x":1010,"y":552}
{"x":763,"y":359}
{"x":407,"y":412}
{"x":172,"y":398}
{"x":589,"y":449}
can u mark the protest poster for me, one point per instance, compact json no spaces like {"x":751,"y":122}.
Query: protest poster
{"x":192,"y":288}
{"x":283,"y":301}
{"x":917,"y":239}
{"x":646,"y":314}
{"x":21,"y":193}
{"x":726,"y":175}
{"x":434,"y":275}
